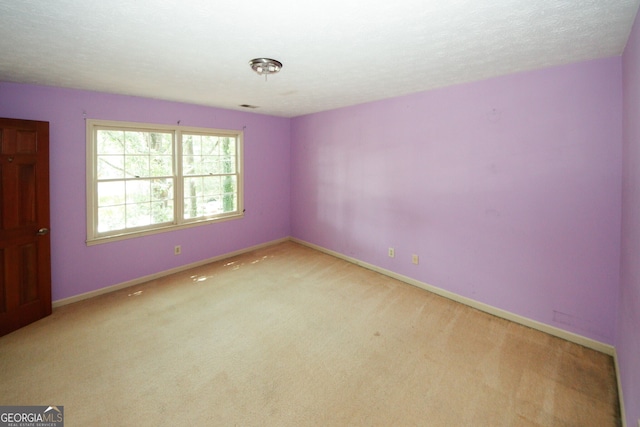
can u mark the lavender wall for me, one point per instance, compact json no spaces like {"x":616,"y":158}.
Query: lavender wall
{"x":509,"y":190}
{"x":628,"y":338}
{"x":77,"y":268}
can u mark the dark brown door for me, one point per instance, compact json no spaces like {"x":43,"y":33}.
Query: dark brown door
{"x":25,"y":265}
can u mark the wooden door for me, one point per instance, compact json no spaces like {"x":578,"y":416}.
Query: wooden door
{"x":25,"y":265}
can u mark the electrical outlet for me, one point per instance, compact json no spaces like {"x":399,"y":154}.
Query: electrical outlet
{"x":415,"y":259}
{"x":392,"y":253}
{"x":177,"y":250}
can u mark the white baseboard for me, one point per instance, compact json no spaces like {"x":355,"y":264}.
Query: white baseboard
{"x":551,"y":330}
{"x":91,"y":294}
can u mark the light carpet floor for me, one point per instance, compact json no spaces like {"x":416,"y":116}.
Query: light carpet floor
{"x":288,"y":336}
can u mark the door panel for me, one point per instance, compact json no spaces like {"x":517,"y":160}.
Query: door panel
{"x":25,"y":266}
{"x":3,"y":285}
{"x":28,"y":273}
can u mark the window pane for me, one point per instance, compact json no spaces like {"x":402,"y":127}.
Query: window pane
{"x":213,"y":165}
{"x":110,"y":142}
{"x":162,"y":189}
{"x":188,"y":154}
{"x":210,"y":145}
{"x":228,"y":146}
{"x":205,"y":196}
{"x":136,"y":142}
{"x":210,"y":165}
{"x":160,"y":143}
{"x":228,"y":164}
{"x":161,"y":166}
{"x":136,"y":166}
{"x":187,"y":145}
{"x":110,"y":167}
{"x":206,"y":155}
{"x":188,"y":166}
{"x":194,"y":166}
{"x":192,"y":189}
{"x":111,"y":193}
{"x":138,"y":214}
{"x":212,"y":205}
{"x":192,"y":186}
{"x":210,"y":195}
{"x":229,"y":202}
{"x":199,"y":207}
{"x":197,"y":146}
{"x":111,"y":218}
{"x":229,"y":199}
{"x":212,"y":186}
{"x":162,"y":211}
{"x":191,"y":155}
{"x":191,"y":207}
{"x":138,"y":191}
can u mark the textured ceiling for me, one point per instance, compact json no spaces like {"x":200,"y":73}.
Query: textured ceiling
{"x":335,"y":53}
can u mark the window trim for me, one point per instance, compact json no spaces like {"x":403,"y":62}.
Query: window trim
{"x":179,"y":222}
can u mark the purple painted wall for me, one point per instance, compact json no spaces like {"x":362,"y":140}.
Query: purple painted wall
{"x":628,"y":337}
{"x":77,"y":268}
{"x":508,"y":189}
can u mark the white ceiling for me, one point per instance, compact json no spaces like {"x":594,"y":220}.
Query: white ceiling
{"x":335,"y":52}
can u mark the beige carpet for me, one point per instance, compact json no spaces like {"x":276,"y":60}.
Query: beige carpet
{"x":288,"y":336}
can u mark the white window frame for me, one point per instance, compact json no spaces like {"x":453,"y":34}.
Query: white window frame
{"x":179,"y":222}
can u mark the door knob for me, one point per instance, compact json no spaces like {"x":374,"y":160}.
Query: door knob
{"x":43,"y":231}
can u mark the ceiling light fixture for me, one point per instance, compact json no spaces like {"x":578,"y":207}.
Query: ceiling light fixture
{"x":265,"y":66}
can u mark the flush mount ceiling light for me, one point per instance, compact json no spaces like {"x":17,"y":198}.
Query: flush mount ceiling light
{"x":265,"y":66}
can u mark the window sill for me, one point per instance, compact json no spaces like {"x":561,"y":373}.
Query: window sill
{"x":162,"y":229}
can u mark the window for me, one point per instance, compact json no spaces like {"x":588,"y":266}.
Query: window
{"x":144,"y":179}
